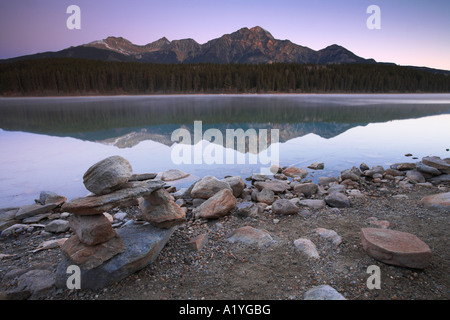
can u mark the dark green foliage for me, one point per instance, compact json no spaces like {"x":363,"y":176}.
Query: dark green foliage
{"x":66,"y":76}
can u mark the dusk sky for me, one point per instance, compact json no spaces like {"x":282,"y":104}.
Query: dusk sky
{"x":413,"y":32}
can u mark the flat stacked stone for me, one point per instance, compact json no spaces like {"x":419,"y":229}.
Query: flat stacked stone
{"x":98,"y":204}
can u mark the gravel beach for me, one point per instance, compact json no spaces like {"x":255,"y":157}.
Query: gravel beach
{"x":214,"y":268}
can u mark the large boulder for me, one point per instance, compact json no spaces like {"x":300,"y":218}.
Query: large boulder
{"x":107,"y":175}
{"x":395,"y":248}
{"x":217,"y":206}
{"x":160,"y":210}
{"x":208,"y":187}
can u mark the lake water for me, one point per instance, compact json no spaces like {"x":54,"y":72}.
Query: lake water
{"x":48,"y":143}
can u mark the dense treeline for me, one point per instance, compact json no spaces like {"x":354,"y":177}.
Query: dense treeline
{"x":66,"y":76}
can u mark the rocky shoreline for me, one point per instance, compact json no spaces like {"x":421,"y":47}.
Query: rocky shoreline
{"x":132,"y":224}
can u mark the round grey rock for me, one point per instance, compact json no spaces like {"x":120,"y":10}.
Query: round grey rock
{"x":107,"y":175}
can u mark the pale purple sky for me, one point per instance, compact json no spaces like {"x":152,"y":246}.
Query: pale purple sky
{"x":413,"y":32}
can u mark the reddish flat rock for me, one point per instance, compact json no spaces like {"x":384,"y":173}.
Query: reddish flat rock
{"x":440,"y":201}
{"x":395,"y":247}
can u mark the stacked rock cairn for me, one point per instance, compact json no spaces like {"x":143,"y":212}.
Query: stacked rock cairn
{"x":95,"y":241}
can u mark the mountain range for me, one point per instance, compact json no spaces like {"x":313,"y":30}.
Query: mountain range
{"x":249,"y":46}
{"x":244,"y":46}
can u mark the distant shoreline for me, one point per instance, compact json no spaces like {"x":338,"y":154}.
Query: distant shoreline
{"x":226,"y":94}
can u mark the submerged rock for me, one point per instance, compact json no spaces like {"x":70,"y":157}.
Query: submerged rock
{"x":316,"y":166}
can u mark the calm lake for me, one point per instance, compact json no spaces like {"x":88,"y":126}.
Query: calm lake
{"x":48,"y":143}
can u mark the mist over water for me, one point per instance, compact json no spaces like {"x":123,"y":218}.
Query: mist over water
{"x":48,"y":143}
